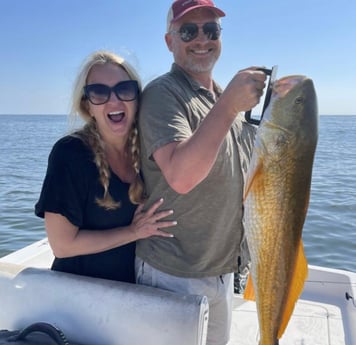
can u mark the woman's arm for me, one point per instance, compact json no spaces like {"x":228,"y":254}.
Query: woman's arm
{"x":67,"y":240}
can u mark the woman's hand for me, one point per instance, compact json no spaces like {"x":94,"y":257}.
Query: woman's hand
{"x":147,"y":223}
{"x":67,"y":240}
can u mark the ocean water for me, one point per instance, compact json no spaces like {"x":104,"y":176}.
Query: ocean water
{"x":329,"y":232}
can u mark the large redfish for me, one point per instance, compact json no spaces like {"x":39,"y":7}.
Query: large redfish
{"x":276,"y":200}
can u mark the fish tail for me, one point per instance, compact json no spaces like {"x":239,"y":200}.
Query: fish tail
{"x":297,"y":283}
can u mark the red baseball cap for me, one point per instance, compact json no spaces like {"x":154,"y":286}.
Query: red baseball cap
{"x":180,"y":7}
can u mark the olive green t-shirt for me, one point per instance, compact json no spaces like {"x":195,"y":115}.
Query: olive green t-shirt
{"x":207,"y":239}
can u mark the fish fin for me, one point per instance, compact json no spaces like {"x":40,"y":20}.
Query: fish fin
{"x":255,"y":167}
{"x":249,"y":293}
{"x":297,"y":284}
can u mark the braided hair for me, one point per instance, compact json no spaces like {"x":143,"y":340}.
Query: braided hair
{"x":90,"y":135}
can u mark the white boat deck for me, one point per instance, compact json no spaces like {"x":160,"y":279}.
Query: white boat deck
{"x":311,"y":323}
{"x":324,"y":315}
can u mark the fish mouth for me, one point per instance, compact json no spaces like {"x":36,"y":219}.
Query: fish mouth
{"x":116,"y":116}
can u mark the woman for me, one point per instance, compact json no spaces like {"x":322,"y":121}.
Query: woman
{"x":92,"y":187}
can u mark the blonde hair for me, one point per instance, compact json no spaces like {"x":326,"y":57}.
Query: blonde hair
{"x":91,"y":136}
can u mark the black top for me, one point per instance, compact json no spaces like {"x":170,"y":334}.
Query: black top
{"x":70,"y":188}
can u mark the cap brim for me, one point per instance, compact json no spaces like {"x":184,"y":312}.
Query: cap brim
{"x":216,"y":10}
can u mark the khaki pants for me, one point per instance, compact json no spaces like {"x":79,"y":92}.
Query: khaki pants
{"x":218,"y":290}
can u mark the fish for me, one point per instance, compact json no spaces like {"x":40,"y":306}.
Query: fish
{"x":276,"y":199}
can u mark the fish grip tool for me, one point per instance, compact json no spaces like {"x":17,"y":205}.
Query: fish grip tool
{"x":271,"y":72}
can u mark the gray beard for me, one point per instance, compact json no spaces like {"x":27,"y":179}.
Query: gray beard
{"x":194,"y":67}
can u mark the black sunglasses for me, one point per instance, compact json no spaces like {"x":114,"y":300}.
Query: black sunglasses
{"x":97,"y":94}
{"x":189,"y":31}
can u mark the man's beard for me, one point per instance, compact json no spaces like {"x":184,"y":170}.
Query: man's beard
{"x":200,"y":67}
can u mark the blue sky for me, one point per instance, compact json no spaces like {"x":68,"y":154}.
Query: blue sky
{"x":43,"y":42}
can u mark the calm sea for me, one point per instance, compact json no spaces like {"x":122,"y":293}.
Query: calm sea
{"x":329,"y":232}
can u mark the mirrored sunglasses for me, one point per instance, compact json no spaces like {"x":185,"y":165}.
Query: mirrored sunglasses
{"x":97,"y":94}
{"x":189,"y":31}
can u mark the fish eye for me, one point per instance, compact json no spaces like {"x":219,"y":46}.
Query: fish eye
{"x":299,"y":100}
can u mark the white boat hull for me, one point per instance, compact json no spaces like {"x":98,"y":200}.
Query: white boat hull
{"x":95,"y":311}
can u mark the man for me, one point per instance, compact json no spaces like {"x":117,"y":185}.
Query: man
{"x":195,"y":151}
